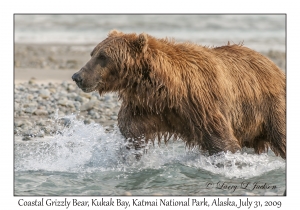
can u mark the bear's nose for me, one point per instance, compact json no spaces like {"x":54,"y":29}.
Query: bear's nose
{"x":77,"y":78}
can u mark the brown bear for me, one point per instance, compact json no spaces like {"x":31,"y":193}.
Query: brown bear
{"x":218,"y":99}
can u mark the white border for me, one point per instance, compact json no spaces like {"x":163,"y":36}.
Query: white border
{"x":154,"y":6}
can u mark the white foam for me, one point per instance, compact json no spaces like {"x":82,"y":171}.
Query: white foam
{"x":89,"y":148}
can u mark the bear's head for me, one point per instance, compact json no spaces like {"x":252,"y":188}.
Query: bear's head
{"x":112,"y":62}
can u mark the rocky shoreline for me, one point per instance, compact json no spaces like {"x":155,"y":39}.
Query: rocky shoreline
{"x":43,"y":109}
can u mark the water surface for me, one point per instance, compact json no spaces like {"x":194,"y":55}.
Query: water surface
{"x":260,"y":32}
{"x":88,"y":160}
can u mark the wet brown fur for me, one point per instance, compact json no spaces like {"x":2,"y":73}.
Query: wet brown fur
{"x":220,"y":99}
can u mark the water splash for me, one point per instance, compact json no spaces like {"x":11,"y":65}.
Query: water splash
{"x":90,"y":148}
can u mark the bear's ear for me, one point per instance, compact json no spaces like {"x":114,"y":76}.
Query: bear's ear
{"x":141,"y":42}
{"x":115,"y":32}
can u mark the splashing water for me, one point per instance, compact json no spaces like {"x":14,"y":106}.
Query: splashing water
{"x":87,"y":151}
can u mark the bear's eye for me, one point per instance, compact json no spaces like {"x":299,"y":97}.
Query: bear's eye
{"x":102,"y":57}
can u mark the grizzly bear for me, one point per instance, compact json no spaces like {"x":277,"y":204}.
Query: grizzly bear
{"x":215,"y":98}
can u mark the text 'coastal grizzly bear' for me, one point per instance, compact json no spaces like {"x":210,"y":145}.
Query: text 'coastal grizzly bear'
{"x":220,"y":99}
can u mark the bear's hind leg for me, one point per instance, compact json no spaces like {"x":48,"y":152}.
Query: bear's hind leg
{"x":220,"y":142}
{"x":276,"y":129}
{"x":278,"y":143}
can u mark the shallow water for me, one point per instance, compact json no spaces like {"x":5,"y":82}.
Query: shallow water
{"x":260,"y":32}
{"x":88,"y":160}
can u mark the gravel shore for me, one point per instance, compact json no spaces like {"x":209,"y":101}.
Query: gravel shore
{"x":41,"y":105}
{"x":41,"y":109}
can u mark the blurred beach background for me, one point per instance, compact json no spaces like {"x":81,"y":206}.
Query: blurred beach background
{"x":67,"y":142}
{"x":51,"y":42}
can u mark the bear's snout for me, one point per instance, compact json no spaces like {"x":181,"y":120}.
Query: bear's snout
{"x":84,"y":81}
{"x":77,"y":78}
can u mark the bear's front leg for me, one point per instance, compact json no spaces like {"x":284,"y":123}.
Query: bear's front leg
{"x":138,"y":129}
{"x":134,"y":130}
